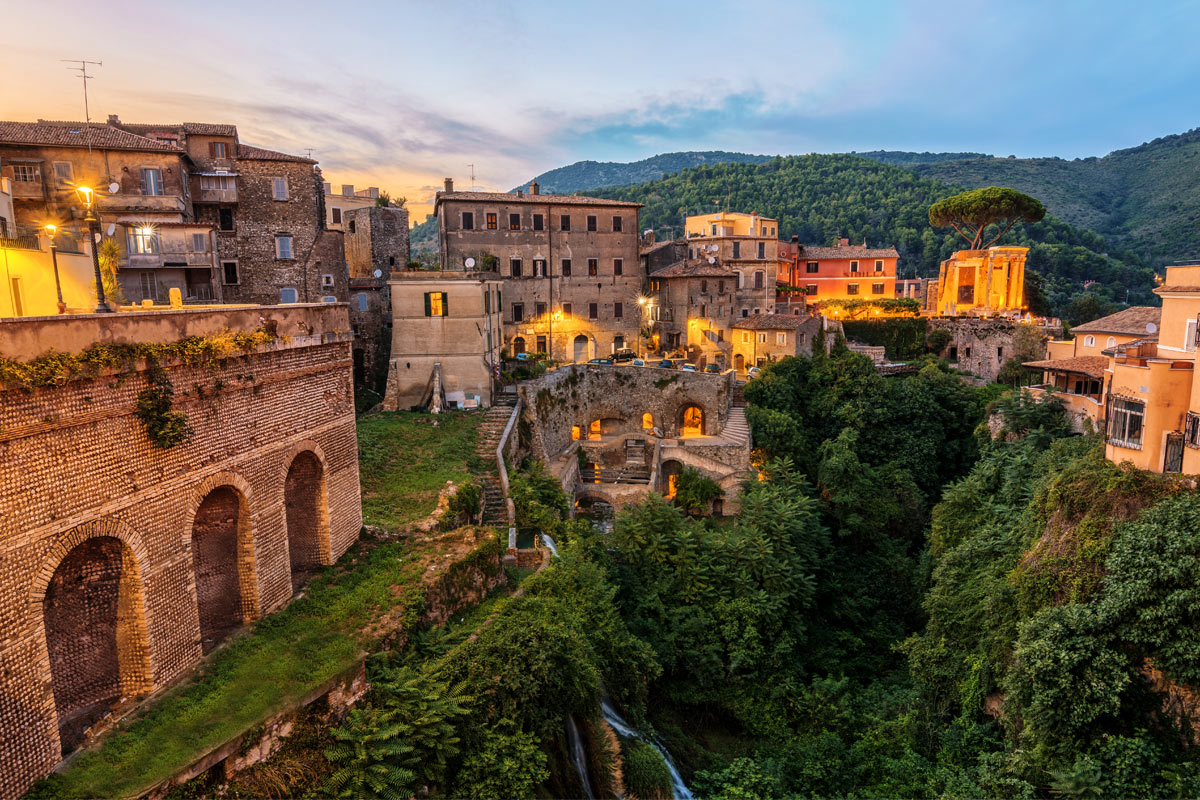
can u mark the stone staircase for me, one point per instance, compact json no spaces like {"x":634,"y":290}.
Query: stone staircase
{"x":495,"y":512}
{"x":737,"y":430}
{"x":738,"y":397}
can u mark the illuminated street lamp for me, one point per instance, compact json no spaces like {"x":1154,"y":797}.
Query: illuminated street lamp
{"x":87,"y":196}
{"x":50,"y":231}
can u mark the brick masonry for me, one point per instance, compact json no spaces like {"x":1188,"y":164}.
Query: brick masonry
{"x":152,"y":551}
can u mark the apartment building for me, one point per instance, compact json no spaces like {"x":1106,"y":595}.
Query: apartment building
{"x":748,"y":244}
{"x":841,"y":272}
{"x":759,"y":340}
{"x":569,"y":265}
{"x":691,"y":307}
{"x":347,"y":199}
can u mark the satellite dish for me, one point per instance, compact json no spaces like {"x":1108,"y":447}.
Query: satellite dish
{"x":470,"y":262}
{"x":378,"y":273}
{"x":112,"y":229}
{"x":114,"y":187}
{"x":712,"y":260}
{"x":1151,"y":327}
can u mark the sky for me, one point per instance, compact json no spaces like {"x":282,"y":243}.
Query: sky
{"x":400,"y":94}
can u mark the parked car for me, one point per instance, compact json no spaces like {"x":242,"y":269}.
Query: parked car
{"x":753,"y":372}
{"x":524,"y":356}
{"x":712,"y":369}
{"x":687,"y":367}
{"x":608,"y":362}
{"x":666,"y":363}
{"x":638,"y":362}
{"x":623,"y":355}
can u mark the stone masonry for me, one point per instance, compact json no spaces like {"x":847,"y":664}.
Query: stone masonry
{"x":122,"y":563}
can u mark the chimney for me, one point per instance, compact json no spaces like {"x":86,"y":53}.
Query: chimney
{"x":650,"y":236}
{"x":534,"y":188}
{"x":843,"y":242}
{"x":114,"y":120}
{"x":449,"y":185}
{"x":347,"y":190}
{"x":795,"y":239}
{"x":520,"y":193}
{"x":373,"y":192}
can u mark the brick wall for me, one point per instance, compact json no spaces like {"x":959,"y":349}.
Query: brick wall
{"x":77,"y":468}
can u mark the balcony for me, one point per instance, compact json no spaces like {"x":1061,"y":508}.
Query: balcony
{"x":19,"y":243}
{"x":216,"y":195}
{"x":139,"y":203}
{"x":172,"y":258}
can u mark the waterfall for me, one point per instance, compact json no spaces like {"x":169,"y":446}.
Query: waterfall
{"x":611,"y":716}
{"x":546,"y":540}
{"x":579,"y":758}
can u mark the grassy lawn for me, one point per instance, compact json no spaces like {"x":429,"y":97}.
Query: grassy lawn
{"x":404,"y":461}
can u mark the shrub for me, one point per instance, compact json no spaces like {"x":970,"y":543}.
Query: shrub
{"x":646,"y":773}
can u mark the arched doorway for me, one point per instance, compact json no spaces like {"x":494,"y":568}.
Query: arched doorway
{"x":518,"y":345}
{"x":739,"y":362}
{"x":691,"y":421}
{"x":595,"y":430}
{"x":647,"y":421}
{"x":222,"y":556}
{"x":668,"y":477}
{"x":95,"y":634}
{"x":581,"y":348}
{"x":304,"y":503}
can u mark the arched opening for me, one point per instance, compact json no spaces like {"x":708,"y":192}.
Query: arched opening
{"x":576,"y":433}
{"x":95,"y":634}
{"x":596,"y":509}
{"x":304,"y":503}
{"x":668,"y":477}
{"x":595,"y":430}
{"x":647,"y":421}
{"x":739,"y":362}
{"x":581,"y":348}
{"x":691,"y":421}
{"x":222,"y":557}
{"x":518,"y":345}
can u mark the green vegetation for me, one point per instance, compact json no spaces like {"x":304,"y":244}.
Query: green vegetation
{"x":646,"y":774}
{"x":982,"y":216}
{"x":902,"y":339}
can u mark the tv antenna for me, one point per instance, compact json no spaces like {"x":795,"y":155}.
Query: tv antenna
{"x":308,"y":151}
{"x":83,"y":73}
{"x":472,"y":168}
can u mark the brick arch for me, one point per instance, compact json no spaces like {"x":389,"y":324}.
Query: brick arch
{"x":306,"y":525}
{"x":88,"y":603}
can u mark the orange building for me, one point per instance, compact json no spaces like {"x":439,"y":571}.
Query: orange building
{"x":841,"y":272}
{"x":982,"y":282}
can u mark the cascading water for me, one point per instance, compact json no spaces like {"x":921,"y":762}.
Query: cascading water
{"x":546,"y":540}
{"x":579,"y":758}
{"x":622,"y":727}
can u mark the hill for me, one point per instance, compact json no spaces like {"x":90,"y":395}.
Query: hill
{"x":903,"y":158}
{"x":1144,"y":198}
{"x":821,"y":197}
{"x":587,"y":175}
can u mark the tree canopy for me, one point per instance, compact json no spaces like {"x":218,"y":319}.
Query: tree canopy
{"x":971,"y":213}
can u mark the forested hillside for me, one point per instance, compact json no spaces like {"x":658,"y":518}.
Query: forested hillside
{"x":1144,"y":198}
{"x":819,"y":197}
{"x":587,"y":175}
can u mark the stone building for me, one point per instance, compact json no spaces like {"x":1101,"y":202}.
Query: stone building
{"x":376,"y":243}
{"x":656,"y":255}
{"x":446,"y":337}
{"x":349,"y":199}
{"x":569,"y":266}
{"x":376,"y":239}
{"x":748,"y":244}
{"x":983,"y":346}
{"x":692,"y":307}
{"x":371,"y":323}
{"x":124,"y":562}
{"x":841,"y":272}
{"x":982,"y":282}
{"x":757,"y":341}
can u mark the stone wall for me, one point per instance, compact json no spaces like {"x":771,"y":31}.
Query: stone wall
{"x":84,"y":490}
{"x":376,"y":239}
{"x":371,"y":321}
{"x":982,"y":346}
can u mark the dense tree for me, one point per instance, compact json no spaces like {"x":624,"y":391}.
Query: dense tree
{"x":973,"y":212}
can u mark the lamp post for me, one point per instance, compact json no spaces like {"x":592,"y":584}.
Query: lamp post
{"x":50,"y":231}
{"x":641,"y":323}
{"x":87,"y":196}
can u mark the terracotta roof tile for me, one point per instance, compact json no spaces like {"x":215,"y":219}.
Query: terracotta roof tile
{"x":1131,"y":322}
{"x":551,"y":199}
{"x":850,"y":251}
{"x":774,"y":322}
{"x":77,"y":134}
{"x":1092,"y":366}
{"x":262,"y":154}
{"x":695,"y":268}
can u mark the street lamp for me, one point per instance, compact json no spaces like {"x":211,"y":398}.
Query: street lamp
{"x":88,"y":197}
{"x":50,"y":231}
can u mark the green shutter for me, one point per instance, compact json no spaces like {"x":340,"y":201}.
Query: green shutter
{"x":428,"y":307}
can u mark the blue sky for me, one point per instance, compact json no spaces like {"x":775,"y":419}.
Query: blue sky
{"x":400,"y":94}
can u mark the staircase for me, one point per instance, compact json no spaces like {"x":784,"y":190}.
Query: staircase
{"x":736,"y":431}
{"x":738,"y":397}
{"x":495,"y":512}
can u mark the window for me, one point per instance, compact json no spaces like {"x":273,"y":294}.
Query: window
{"x":811,"y":290}
{"x":593,"y":266}
{"x":514,"y":222}
{"x":781,"y":338}
{"x":288,"y":295}
{"x":737,"y":249}
{"x":745,"y":337}
{"x":1125,"y":423}
{"x":720,"y":287}
{"x":762,"y":249}
{"x":812,"y":267}
{"x":152,"y":183}
{"x":876,"y":288}
{"x":1000,"y":353}
{"x":566,"y":309}
{"x":199,"y":243}
{"x":1189,"y":335}
{"x":362,"y":301}
{"x":217,"y":149}
{"x":514,"y":267}
{"x":279,"y":188}
{"x":539,"y":267}
{"x":745,"y":313}
{"x":63,"y":175}
{"x":539,"y":309}
{"x":1191,"y":430}
{"x":143,"y":240}
{"x":616,"y":224}
{"x":564,"y":222}
{"x":27,"y":173}
{"x":337,"y":215}
{"x":518,"y":312}
{"x":1089,"y":341}
{"x":852,"y":288}
{"x":879,"y":265}
{"x":487,"y":302}
{"x":229,"y":271}
{"x":1112,"y":342}
{"x":468,"y":220}
{"x":326,"y":281}
{"x":149,"y":286}
{"x":566,"y":267}
{"x":759,"y":278}
{"x":591,"y":222}
{"x":222,"y":182}
{"x":283,"y":247}
{"x":703,"y":287}
{"x":538,"y":222}
{"x":352,"y":226}
{"x":854,"y":267}
{"x":541,"y":344}
{"x":762,"y":338}
{"x":593,"y":311}
{"x":225,"y":219}
{"x":491,"y":222}
{"x":618,"y":310}
{"x":618,"y":264}
{"x":436,"y":305}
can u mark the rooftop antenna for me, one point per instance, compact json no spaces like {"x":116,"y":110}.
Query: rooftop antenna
{"x":308,"y":151}
{"x":83,"y":73}
{"x":472,"y":168}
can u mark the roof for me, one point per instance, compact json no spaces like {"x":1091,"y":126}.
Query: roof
{"x":197,"y":128}
{"x":552,"y":199}
{"x":774,"y":322}
{"x":695,"y":268}
{"x":262,"y":154}
{"x":654,"y":248}
{"x":848,"y":251}
{"x":78,"y":134}
{"x":1092,"y":366}
{"x":1121,"y":348}
{"x":1131,"y":322}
